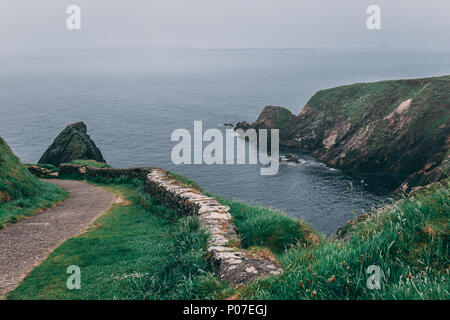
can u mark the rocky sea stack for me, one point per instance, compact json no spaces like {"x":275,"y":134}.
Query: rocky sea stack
{"x":73,"y":143}
{"x":399,"y":126}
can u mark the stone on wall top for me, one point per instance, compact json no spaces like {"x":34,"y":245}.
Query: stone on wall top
{"x":231,"y":264}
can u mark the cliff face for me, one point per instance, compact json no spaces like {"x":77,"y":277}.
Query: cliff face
{"x":73,"y":143}
{"x":15,"y":180}
{"x":397,"y":126}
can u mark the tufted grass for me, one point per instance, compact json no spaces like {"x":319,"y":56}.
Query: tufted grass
{"x":260,"y":226}
{"x":47,"y":196}
{"x":90,"y":163}
{"x":136,"y":250}
{"x":270,"y":228}
{"x":143,"y":250}
{"x":21,"y":193}
{"x":408,"y":241}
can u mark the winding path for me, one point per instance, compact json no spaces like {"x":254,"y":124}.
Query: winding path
{"x":27,"y":243}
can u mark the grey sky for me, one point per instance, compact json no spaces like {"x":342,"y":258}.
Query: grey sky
{"x":28,"y":25}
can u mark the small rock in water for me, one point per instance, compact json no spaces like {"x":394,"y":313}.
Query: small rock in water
{"x":292,"y":158}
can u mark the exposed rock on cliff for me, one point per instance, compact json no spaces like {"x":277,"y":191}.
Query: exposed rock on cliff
{"x":73,"y":143}
{"x":427,"y":175}
{"x":397,"y":126}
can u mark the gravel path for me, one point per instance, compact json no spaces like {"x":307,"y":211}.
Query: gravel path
{"x":27,"y":243}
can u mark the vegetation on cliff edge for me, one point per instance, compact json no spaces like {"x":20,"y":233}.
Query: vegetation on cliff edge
{"x":260,"y":226}
{"x":408,"y":240}
{"x":137,"y":250}
{"x":163,"y":255}
{"x":90,"y":163}
{"x":393,"y":126}
{"x":21,"y":193}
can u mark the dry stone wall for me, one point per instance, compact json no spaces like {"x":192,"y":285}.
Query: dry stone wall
{"x":230,"y":263}
{"x":107,"y":173}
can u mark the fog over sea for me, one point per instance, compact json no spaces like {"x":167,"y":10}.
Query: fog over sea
{"x":132,"y":100}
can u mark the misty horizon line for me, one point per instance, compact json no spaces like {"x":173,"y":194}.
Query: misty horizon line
{"x":144,"y":48}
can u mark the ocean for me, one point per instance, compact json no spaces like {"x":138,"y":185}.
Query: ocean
{"x":132,"y":100}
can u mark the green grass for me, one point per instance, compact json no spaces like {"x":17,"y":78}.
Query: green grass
{"x":261,"y":226}
{"x":409,"y":242}
{"x":21,"y":193}
{"x":48,"y":195}
{"x":142,"y":250}
{"x":137,"y":250}
{"x":365,"y":103}
{"x":383,"y":97}
{"x":16,"y":182}
{"x":267,"y":227}
{"x":282,"y":119}
{"x":90,"y":163}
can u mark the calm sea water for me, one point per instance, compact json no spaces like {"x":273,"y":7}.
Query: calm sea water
{"x":133,"y":100}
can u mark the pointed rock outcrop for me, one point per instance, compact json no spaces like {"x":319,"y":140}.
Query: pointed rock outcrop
{"x":73,"y":143}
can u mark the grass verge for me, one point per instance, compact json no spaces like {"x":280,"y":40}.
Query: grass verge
{"x":90,"y":163}
{"x":262,"y":226}
{"x":408,"y":241}
{"x":163,"y":256}
{"x":270,"y":228}
{"x":46,"y":196}
{"x":137,"y":250}
{"x":21,"y":193}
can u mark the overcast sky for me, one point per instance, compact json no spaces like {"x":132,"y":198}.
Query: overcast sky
{"x":29,"y":25}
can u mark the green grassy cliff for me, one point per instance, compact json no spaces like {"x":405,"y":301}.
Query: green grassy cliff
{"x":21,"y":193}
{"x":399,"y":126}
{"x":15,"y":180}
{"x":408,"y":241}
